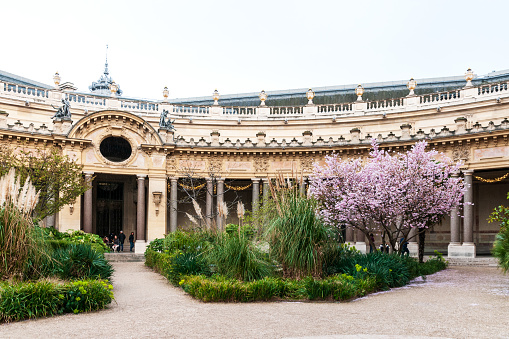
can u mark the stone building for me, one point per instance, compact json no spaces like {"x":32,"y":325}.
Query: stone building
{"x":148,"y":158}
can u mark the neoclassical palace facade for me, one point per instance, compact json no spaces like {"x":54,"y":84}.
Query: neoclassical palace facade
{"x":146,"y":159}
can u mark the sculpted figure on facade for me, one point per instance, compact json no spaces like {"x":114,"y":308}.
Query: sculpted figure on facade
{"x":166,"y":124}
{"x":63,"y":112}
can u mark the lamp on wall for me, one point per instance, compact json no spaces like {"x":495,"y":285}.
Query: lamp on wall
{"x":71,"y":206}
{"x":157,"y":200}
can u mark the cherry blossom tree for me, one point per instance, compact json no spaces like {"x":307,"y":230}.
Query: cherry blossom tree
{"x":388,"y":193}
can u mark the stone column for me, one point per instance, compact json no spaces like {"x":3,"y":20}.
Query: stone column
{"x":173,"y":204}
{"x":266,"y":189}
{"x":302,"y":188}
{"x":256,"y":194}
{"x":360,"y":243}
{"x":413,"y":246}
{"x":454,"y":248}
{"x":208,"y":206}
{"x":87,"y":205}
{"x":349,"y":234}
{"x":220,"y":199}
{"x":140,"y":213}
{"x":468,"y":245}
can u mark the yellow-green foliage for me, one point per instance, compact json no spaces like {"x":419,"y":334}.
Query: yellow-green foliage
{"x":41,"y":299}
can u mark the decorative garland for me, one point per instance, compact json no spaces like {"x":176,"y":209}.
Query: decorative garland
{"x":238,"y":188}
{"x":492,"y":180}
{"x":192,"y":188}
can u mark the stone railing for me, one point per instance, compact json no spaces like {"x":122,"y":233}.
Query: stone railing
{"x":90,"y":103}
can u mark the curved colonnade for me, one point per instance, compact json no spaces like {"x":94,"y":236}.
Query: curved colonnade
{"x":224,"y":154}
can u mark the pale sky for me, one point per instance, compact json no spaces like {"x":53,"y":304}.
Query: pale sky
{"x":194,"y":47}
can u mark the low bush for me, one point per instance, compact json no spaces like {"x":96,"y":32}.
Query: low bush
{"x":339,"y":287}
{"x":76,"y":237}
{"x":224,"y":289}
{"x":80,"y":261}
{"x":39,"y":299}
{"x":389,"y":270}
{"x":221,"y":288}
{"x":87,"y":295}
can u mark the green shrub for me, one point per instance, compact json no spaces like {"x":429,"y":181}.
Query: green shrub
{"x":40,"y":299}
{"x":182,"y":264}
{"x":156,"y":245}
{"x":29,"y":300}
{"x":87,"y":295}
{"x":195,"y":242}
{"x":221,"y":288}
{"x":433,"y":265}
{"x":501,"y":248}
{"x":237,"y":257}
{"x":246,"y":230}
{"x":501,"y":245}
{"x":80,"y":261}
{"x":389,"y":270}
{"x":56,"y":238}
{"x":339,"y":287}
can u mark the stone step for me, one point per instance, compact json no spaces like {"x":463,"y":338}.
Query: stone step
{"x":124,"y":257}
{"x":480,"y":261}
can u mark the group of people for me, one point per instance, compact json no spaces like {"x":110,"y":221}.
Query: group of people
{"x":117,"y":242}
{"x":384,"y":247}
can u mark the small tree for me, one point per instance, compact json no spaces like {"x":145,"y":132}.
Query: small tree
{"x":388,"y":193}
{"x":57,"y":178}
{"x":501,"y":244}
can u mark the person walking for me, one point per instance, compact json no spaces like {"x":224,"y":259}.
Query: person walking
{"x":121,"y":239}
{"x":131,"y":242}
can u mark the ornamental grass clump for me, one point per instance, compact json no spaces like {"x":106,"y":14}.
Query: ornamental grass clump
{"x":20,"y":251}
{"x":297,"y":235}
{"x":235,"y":256}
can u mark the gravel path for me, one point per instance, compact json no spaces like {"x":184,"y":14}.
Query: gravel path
{"x":460,"y":302}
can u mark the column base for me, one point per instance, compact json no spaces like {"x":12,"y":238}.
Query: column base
{"x":413,"y":247}
{"x":456,"y":250}
{"x":140,"y":246}
{"x":468,"y":249}
{"x":360,"y":246}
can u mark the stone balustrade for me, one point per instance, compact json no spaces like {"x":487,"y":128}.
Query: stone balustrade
{"x":90,"y":103}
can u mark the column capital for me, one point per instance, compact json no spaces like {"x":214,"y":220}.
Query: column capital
{"x":265,"y":180}
{"x":208,"y":179}
{"x":220,"y":179}
{"x":468,"y":172}
{"x":174,"y":179}
{"x":88,"y":173}
{"x":255,"y":179}
{"x":141,"y":176}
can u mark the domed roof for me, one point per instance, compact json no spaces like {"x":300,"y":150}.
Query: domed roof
{"x":102,"y":86}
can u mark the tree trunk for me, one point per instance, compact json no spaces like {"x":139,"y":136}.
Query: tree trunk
{"x":422,"y":237}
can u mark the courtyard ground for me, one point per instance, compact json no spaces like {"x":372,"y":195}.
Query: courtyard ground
{"x":460,"y":302}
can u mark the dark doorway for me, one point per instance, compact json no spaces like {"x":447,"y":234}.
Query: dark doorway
{"x":110,"y":203}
